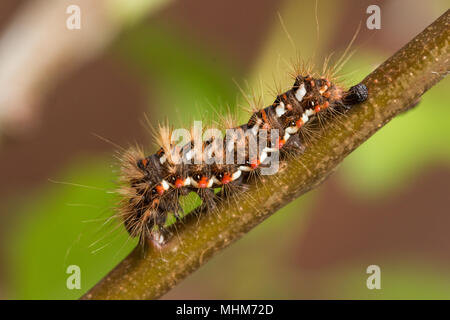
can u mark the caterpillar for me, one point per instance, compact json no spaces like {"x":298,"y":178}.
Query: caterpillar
{"x":214,"y":168}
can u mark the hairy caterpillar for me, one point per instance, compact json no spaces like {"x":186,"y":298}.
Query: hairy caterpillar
{"x":152,"y":185}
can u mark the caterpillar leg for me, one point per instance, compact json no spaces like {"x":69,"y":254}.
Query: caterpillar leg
{"x":209,"y":200}
{"x":160,"y":236}
{"x":232,"y":189}
{"x":294,"y":146}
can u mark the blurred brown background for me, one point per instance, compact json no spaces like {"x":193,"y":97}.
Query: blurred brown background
{"x":317,"y":247}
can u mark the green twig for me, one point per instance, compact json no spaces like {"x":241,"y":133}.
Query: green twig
{"x":394,"y":87}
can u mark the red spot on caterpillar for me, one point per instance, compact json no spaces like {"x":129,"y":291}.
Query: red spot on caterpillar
{"x":289,"y":106}
{"x":160,"y":189}
{"x":179,"y":183}
{"x":281,"y":143}
{"x":203,"y":183}
{"x":321,"y":107}
{"x":255,"y":164}
{"x":226,"y":178}
{"x":144,"y":162}
{"x":299,"y":123}
{"x":264,"y":116}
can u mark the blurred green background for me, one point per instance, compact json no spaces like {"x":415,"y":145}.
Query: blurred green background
{"x":386,"y":205}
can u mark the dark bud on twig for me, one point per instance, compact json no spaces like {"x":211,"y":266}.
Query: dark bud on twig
{"x":356,"y":94}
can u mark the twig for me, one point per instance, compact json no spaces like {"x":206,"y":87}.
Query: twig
{"x":394,"y":87}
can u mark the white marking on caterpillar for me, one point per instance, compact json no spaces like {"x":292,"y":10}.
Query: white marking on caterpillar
{"x":165,"y":185}
{"x":305,"y":118}
{"x":245,"y":168}
{"x":194,"y":183}
{"x":309,"y":112}
{"x":280,"y":109}
{"x":323,"y":89}
{"x":286,"y":136}
{"x":291,"y":130}
{"x":236,"y":175}
{"x":162,"y":159}
{"x":300,"y":93}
